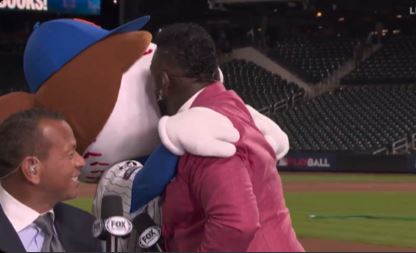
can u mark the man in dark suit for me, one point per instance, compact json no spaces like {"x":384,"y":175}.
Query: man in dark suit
{"x":39,"y":168}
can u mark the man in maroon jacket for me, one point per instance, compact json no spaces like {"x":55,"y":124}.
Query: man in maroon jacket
{"x":217,"y":204}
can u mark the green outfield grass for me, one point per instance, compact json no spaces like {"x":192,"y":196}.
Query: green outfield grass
{"x":392,"y":216}
{"x":345,"y":177}
{"x":386,"y":218}
{"x":83,"y":203}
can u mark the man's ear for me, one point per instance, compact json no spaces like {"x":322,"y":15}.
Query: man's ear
{"x":219,"y":75}
{"x":30,"y":168}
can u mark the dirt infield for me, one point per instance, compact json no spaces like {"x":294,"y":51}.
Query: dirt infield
{"x":321,"y":245}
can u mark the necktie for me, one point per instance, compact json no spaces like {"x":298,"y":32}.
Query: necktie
{"x":51,"y":242}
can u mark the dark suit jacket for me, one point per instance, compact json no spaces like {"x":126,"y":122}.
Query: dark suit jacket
{"x":73,"y":226}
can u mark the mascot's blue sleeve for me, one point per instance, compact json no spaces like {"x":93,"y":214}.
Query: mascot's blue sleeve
{"x":151,"y":180}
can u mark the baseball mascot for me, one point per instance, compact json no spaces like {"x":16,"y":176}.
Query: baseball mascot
{"x":100,"y":80}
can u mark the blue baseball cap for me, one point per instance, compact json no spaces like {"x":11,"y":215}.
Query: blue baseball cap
{"x":54,"y":43}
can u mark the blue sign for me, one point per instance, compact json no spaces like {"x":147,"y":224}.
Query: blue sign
{"x":79,"y":7}
{"x":307,"y":162}
{"x":411,"y":163}
{"x":82,"y":7}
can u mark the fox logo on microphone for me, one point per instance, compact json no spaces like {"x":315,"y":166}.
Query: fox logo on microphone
{"x":149,"y":237}
{"x":118,"y":226}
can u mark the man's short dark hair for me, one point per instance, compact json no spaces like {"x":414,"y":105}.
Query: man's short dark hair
{"x":192,"y":48}
{"x":20,"y":136}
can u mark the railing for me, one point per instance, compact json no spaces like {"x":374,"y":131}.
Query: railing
{"x":405,"y":145}
{"x":381,"y":151}
{"x":400,"y":146}
{"x":413,"y":142}
{"x":283,"y":104}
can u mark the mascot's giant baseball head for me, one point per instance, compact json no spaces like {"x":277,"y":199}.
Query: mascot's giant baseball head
{"x":99,"y":80}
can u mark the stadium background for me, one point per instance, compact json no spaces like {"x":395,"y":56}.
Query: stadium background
{"x":338,"y":76}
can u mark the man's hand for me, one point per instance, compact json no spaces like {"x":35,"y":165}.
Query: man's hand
{"x":199,"y":131}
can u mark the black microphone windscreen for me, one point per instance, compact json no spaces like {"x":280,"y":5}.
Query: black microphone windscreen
{"x":149,"y":234}
{"x":143,"y":221}
{"x":111,"y":205}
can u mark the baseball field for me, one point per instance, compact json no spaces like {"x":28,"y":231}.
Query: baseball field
{"x":343,"y":212}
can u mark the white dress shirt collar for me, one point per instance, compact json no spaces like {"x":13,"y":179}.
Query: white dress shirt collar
{"x":19,"y":215}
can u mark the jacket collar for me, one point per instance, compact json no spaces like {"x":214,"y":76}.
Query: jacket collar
{"x":10,"y":241}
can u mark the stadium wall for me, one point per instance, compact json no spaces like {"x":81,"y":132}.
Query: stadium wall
{"x":329,"y":162}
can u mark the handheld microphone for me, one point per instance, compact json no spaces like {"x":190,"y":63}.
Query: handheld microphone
{"x":112,"y":224}
{"x":149,"y":234}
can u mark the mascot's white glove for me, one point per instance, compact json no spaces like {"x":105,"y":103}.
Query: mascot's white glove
{"x":277,"y":139}
{"x":199,"y":131}
{"x":203,"y":131}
